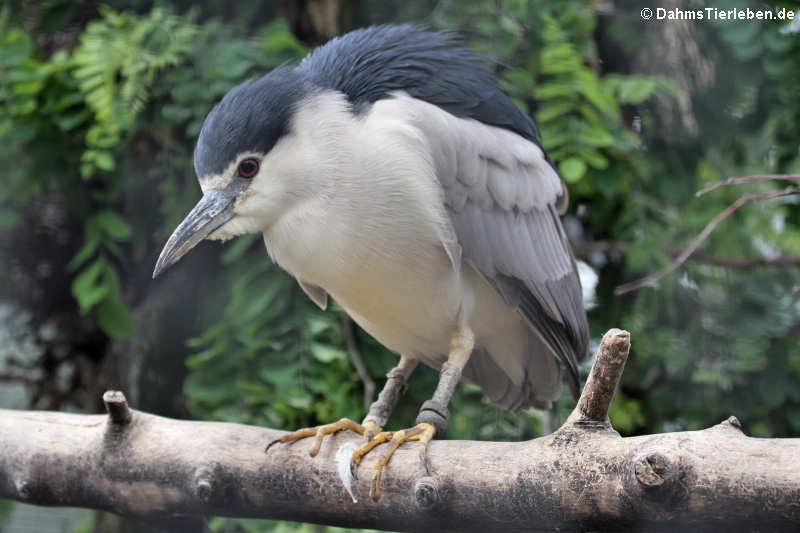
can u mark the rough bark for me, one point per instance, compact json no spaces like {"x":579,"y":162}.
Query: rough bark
{"x":584,"y":476}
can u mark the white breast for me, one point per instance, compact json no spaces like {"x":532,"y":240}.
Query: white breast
{"x":374,"y":241}
{"x":374,"y":234}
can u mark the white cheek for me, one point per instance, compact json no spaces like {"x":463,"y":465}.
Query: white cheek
{"x":214,"y":182}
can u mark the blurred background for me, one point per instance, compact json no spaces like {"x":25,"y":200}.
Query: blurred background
{"x":100,"y":105}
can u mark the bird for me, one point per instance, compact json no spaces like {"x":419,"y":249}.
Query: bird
{"x":389,"y":171}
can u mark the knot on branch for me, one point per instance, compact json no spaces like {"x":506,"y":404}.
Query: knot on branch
{"x":662,"y":481}
{"x":206,"y":482}
{"x":650,"y":469}
{"x":117,"y":406}
{"x":23,"y":489}
{"x":426,"y":493}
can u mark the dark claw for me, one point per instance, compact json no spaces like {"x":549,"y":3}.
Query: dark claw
{"x":276,"y":441}
{"x":426,"y":463}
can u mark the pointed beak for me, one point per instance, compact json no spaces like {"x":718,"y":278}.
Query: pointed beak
{"x":213,"y":210}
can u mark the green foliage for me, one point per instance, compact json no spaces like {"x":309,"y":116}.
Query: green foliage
{"x":119,"y":71}
{"x":96,"y":93}
{"x":115,"y":65}
{"x":270,"y":359}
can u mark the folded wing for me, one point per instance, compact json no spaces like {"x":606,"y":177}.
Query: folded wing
{"x":503,"y":199}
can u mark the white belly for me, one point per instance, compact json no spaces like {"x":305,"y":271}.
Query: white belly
{"x":414,"y":311}
{"x":407,"y":295}
{"x":411,"y":307}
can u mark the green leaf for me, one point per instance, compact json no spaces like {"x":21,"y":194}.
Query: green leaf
{"x":91,"y":296}
{"x":28,"y":87}
{"x":327,"y":354}
{"x":594,"y":158}
{"x":635,"y":89}
{"x":572,"y":169}
{"x":115,"y":318}
{"x":553,"y":89}
{"x":594,"y":136}
{"x":113,"y":225}
{"x":86,"y":287}
{"x":555,"y":108}
{"x":91,"y":243}
{"x":104,"y":160}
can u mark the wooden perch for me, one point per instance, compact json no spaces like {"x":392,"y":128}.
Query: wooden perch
{"x":584,"y":476}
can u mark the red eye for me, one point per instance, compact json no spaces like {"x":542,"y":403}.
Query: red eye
{"x":248,"y":168}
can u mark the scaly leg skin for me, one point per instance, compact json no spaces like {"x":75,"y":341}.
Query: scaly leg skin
{"x":381,"y":408}
{"x":376,"y":417}
{"x":433,"y":415}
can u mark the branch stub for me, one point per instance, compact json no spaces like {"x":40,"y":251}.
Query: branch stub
{"x":733,"y":421}
{"x":592,"y":408}
{"x":117,"y":407}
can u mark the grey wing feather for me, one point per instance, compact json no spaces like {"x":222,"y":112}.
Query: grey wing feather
{"x":316,"y":293}
{"x":503,"y":198}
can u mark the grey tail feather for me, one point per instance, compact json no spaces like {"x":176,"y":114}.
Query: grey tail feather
{"x":538,"y":388}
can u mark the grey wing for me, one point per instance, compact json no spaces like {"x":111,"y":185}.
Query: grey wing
{"x":503,"y":199}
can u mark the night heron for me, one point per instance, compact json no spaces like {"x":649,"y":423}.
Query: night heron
{"x":389,"y":171}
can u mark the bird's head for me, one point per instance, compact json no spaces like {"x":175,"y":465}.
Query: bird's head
{"x":251,"y":162}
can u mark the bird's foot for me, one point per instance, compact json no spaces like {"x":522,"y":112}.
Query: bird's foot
{"x":320,"y":432}
{"x":422,"y":432}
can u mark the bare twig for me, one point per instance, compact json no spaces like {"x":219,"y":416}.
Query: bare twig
{"x":18,"y":378}
{"x":748,"y":179}
{"x":585,"y":250}
{"x":578,"y":478}
{"x":700,"y":256}
{"x":653,"y":279}
{"x":355,"y":356}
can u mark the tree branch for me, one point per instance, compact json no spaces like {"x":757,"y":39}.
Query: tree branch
{"x":584,"y":476}
{"x":348,"y":327}
{"x":747,"y":179}
{"x":700,"y":256}
{"x":653,"y":279}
